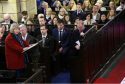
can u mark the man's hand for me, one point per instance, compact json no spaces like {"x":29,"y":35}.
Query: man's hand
{"x":77,"y":47}
{"x":82,"y":34}
{"x":60,"y":49}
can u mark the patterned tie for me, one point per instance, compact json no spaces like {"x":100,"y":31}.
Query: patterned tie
{"x":26,"y":60}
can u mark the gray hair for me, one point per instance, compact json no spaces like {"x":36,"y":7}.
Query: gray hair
{"x":13,"y":26}
{"x":22,"y":26}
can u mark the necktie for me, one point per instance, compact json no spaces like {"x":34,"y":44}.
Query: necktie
{"x":20,"y":41}
{"x":43,"y":41}
{"x":60,"y":35}
{"x":26,"y":60}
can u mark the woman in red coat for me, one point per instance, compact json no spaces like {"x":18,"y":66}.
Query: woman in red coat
{"x":14,"y":47}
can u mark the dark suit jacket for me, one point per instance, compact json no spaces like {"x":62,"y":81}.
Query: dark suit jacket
{"x":46,"y":54}
{"x":49,"y":42}
{"x":65,"y":37}
{"x":33,"y":52}
{"x":41,"y":10}
{"x":81,"y":15}
{"x":31,"y":39}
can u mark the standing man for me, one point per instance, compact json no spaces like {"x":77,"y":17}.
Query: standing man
{"x":33,"y":53}
{"x":75,"y":62}
{"x":46,"y":48}
{"x":62,"y":35}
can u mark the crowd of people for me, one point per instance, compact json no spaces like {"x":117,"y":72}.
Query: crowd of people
{"x":58,"y":44}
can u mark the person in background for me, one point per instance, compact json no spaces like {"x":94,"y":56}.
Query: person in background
{"x":78,"y":13}
{"x":54,"y":21}
{"x":62,"y":13}
{"x":89,"y":20}
{"x":67,"y":19}
{"x":3,"y":35}
{"x":57,"y":5}
{"x":86,"y":5}
{"x":71,"y":6}
{"x":7,"y":21}
{"x":111,"y":14}
{"x":112,"y":6}
{"x":16,"y":58}
{"x":53,"y":14}
{"x":103,"y":20}
{"x":42,"y":9}
{"x":42,"y":21}
{"x":24,"y":17}
{"x":121,"y":7}
{"x":95,"y":14}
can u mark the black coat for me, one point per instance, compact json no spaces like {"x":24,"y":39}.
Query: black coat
{"x":48,"y":50}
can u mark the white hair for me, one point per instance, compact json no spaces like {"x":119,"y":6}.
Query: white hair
{"x":22,"y":26}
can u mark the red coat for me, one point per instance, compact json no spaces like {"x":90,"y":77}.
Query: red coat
{"x":13,"y":52}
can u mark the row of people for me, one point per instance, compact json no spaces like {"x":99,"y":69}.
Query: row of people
{"x":62,"y":42}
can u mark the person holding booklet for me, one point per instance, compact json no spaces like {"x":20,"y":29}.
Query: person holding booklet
{"x":16,"y":59}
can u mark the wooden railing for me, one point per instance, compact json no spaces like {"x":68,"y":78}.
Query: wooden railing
{"x":101,"y":46}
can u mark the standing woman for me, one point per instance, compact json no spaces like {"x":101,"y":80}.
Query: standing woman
{"x":14,"y":47}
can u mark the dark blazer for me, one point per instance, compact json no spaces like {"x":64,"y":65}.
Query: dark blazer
{"x":2,"y":41}
{"x":49,"y":43}
{"x":76,"y":35}
{"x":103,"y":22}
{"x":41,"y":10}
{"x":65,"y":40}
{"x":13,"y":52}
{"x":46,"y":54}
{"x":65,"y":37}
{"x":80,"y":15}
{"x":33,"y":53}
{"x":31,"y":39}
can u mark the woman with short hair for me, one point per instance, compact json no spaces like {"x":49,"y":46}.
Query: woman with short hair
{"x":14,"y":47}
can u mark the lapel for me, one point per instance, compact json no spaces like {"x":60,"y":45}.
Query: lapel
{"x":47,"y":39}
{"x":27,"y":38}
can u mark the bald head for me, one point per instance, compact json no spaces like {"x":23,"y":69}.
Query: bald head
{"x":7,"y":16}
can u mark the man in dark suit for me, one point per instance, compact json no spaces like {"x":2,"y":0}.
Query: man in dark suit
{"x":75,"y":66}
{"x":79,"y":13}
{"x":62,"y":35}
{"x":33,"y":53}
{"x":46,"y":48}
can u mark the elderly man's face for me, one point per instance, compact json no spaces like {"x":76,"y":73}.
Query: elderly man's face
{"x":23,"y":31}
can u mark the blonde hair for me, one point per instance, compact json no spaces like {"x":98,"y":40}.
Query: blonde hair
{"x":13,"y":26}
